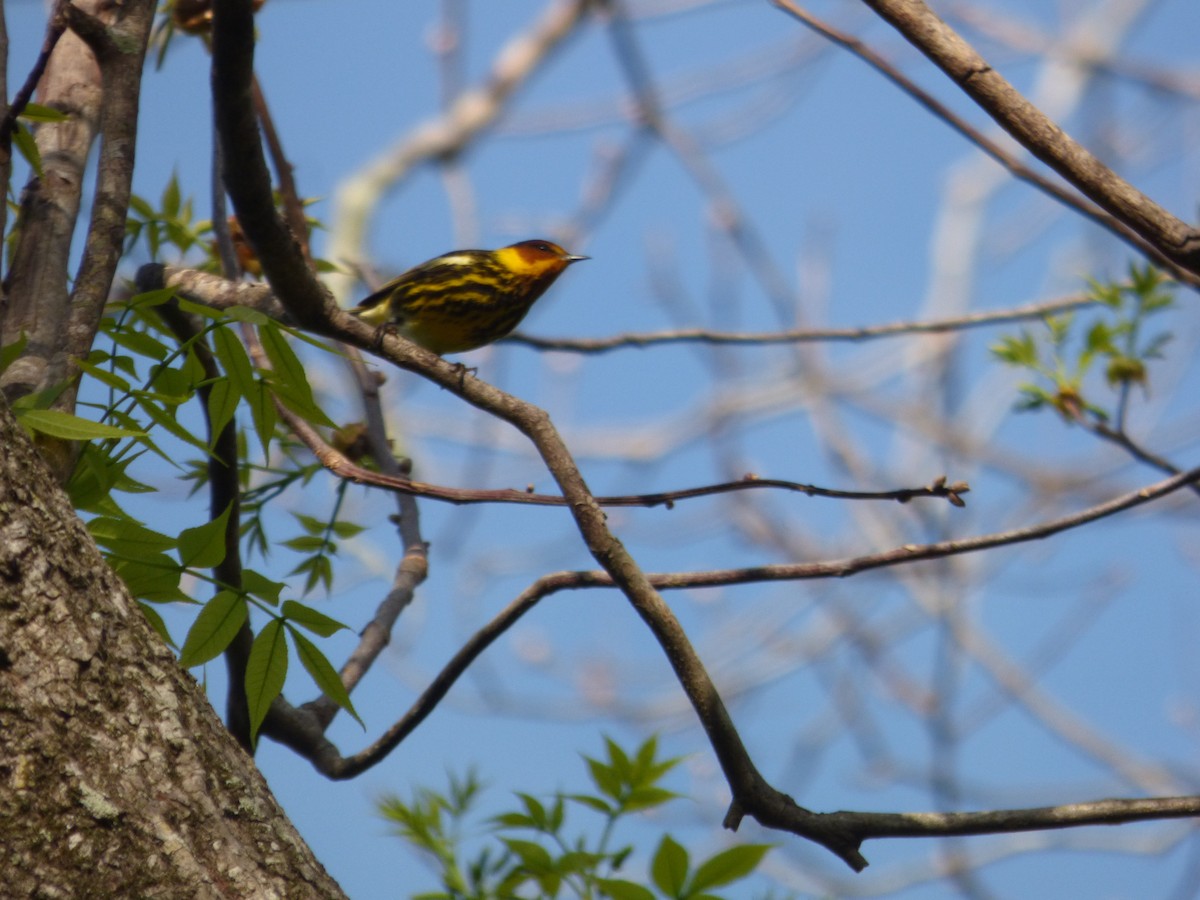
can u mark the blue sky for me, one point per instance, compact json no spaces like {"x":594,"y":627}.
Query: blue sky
{"x":846,"y":182}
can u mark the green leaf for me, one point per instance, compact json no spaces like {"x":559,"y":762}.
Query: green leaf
{"x":289,"y":380}
{"x":346,"y":530}
{"x":42,"y":399}
{"x":1016,"y":351}
{"x":514,"y":820}
{"x":156,"y":622}
{"x":262,"y":408}
{"x":1099,"y":338}
{"x":1144,"y":279}
{"x":223,"y":399}
{"x":307,"y":617}
{"x":170,"y":386}
{"x":104,"y":376}
{"x":28,"y":148}
{"x":71,"y":428}
{"x":1107,"y":293}
{"x":1154,"y":347}
{"x":644,"y":757}
{"x":150,"y":299}
{"x":604,"y":778}
{"x":127,"y":537}
{"x":557,"y":813}
{"x":1060,"y":328}
{"x":727,"y":866}
{"x":214,"y":629}
{"x":619,"y":760}
{"x":319,"y":569}
{"x":534,"y":857}
{"x":266,"y":671}
{"x":537,"y":812}
{"x":199,"y":309}
{"x":170,"y":198}
{"x":592,"y":803}
{"x":310,"y":524}
{"x":153,"y":577}
{"x":619,"y":889}
{"x":1032,"y":397}
{"x":262,"y":587}
{"x":10,"y":353}
{"x":644,"y":798}
{"x":139,"y":205}
{"x":142,"y":344}
{"x":90,"y":484}
{"x":323,"y":673}
{"x":234,"y":360}
{"x":203,"y":547}
{"x":36,"y":112}
{"x":306,"y":543}
{"x":165,"y":418}
{"x":247,"y":314}
{"x":669,"y":867}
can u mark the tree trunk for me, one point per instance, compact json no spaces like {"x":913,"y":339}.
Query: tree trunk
{"x":117,"y":779}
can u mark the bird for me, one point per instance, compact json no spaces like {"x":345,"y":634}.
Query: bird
{"x":466,"y":299}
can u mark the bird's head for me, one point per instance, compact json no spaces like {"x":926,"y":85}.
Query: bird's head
{"x":536,"y":258}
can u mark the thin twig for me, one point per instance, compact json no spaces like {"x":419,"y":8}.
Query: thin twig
{"x":413,"y":567}
{"x":341,"y":465}
{"x":803,"y":335}
{"x":293,"y":205}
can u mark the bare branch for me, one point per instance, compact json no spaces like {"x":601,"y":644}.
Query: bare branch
{"x":224,"y":498}
{"x":120,"y":52}
{"x":1047,"y":141}
{"x":248,"y":181}
{"x":1003,"y":821}
{"x":341,"y":465}
{"x":987,"y":145}
{"x":803,"y":335}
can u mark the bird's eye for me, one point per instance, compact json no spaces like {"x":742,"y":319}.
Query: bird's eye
{"x":543,"y":247}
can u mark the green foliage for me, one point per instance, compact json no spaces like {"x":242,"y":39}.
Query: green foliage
{"x":23,"y":138}
{"x":147,"y":393}
{"x":266,"y":671}
{"x":1059,"y":361}
{"x":170,"y":223}
{"x":318,"y":544}
{"x":531,"y":853}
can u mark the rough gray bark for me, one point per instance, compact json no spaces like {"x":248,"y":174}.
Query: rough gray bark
{"x":118,"y":778}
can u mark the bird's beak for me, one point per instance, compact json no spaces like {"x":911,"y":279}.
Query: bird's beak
{"x":570,"y":258}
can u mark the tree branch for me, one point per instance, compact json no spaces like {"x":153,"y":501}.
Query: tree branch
{"x":54,"y":30}
{"x":120,"y":52}
{"x":803,"y":335}
{"x":245,"y":170}
{"x":1040,"y":135}
{"x":224,"y":495}
{"x":987,"y":145}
